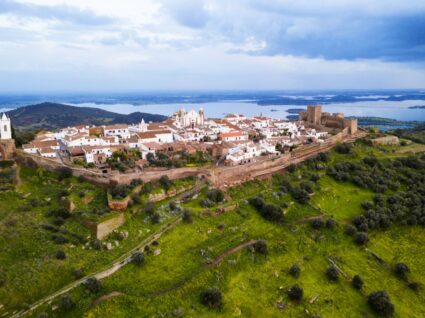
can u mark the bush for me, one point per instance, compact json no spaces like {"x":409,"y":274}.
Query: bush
{"x":295,"y":293}
{"x":212,"y":298}
{"x":357,"y":282}
{"x":350,"y":230}
{"x":93,"y":285}
{"x":155,"y":218}
{"x":78,"y":273}
{"x":260,"y":247}
{"x":63,"y":173}
{"x":317,"y":223}
{"x":150,"y":208}
{"x":343,"y":148}
{"x":295,"y":270}
{"x":58,"y":221}
{"x":380,"y":303}
{"x":215,"y":195}
{"x":59,"y":239}
{"x":332,"y":273}
{"x":187,"y":216}
{"x":165,"y":182}
{"x":330,"y":223}
{"x":300,"y":195}
{"x":401,"y":270}
{"x":415,"y":286}
{"x":138,"y":258}
{"x":361,"y":238}
{"x":292,"y":168}
{"x":60,"y":255}
{"x":66,"y":302}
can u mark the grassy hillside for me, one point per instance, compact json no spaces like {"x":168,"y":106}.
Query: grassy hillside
{"x":203,"y":253}
{"x":51,"y":116}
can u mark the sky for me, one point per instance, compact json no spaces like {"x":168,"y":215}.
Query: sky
{"x":139,"y":45}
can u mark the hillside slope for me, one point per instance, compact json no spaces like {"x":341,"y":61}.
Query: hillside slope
{"x":52,"y":116}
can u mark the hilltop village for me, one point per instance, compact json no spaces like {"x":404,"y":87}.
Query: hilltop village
{"x":229,"y":141}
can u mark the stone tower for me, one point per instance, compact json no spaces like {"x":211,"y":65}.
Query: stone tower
{"x":314,"y":114}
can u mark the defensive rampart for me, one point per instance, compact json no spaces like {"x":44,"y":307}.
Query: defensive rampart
{"x":217,"y":176}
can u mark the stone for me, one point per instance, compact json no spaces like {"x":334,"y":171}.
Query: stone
{"x":157,"y":252}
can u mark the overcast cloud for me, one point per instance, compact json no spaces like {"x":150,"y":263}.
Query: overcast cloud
{"x":85,"y":45}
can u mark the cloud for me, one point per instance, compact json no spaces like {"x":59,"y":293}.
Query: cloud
{"x":57,"y":12}
{"x":343,"y":29}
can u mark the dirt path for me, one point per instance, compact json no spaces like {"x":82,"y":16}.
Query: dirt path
{"x":105,"y":297}
{"x":218,"y":259}
{"x":215,"y":262}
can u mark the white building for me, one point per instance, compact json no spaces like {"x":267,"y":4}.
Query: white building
{"x":120,"y":131}
{"x":192,"y":118}
{"x":5,"y":128}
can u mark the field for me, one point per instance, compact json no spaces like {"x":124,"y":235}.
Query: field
{"x":204,"y":253}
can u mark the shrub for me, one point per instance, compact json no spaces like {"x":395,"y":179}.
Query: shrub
{"x":330,"y":223}
{"x":93,"y":285}
{"x":165,"y":182}
{"x":272,"y":212}
{"x":63,"y":173}
{"x":97,"y":244}
{"x":58,"y":221}
{"x":295,"y":270}
{"x":295,"y":293}
{"x":215,"y":195}
{"x":212,"y":298}
{"x":401,"y":270}
{"x":260,"y":247}
{"x":361,"y":238}
{"x":415,"y":286}
{"x":332,"y":273}
{"x":300,"y":195}
{"x":138,"y":258}
{"x":380,"y":303}
{"x":257,"y":202}
{"x":350,"y":230}
{"x":60,"y":255}
{"x":172,"y":205}
{"x":343,"y":148}
{"x":120,"y":191}
{"x":317,"y":223}
{"x":66,"y":302}
{"x":59,"y":239}
{"x":150,"y":208}
{"x":155,"y":218}
{"x":187,"y":216}
{"x":357,"y":282}
{"x":78,"y":273}
{"x":292,"y":168}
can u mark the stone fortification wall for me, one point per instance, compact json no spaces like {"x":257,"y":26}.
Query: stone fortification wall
{"x":217,"y":176}
{"x":100,"y":230}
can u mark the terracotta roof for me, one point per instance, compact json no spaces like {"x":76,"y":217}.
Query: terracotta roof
{"x":231,"y":134}
{"x":117,"y":126}
{"x":47,"y":150}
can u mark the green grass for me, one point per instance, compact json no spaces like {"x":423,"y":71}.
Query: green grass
{"x":169,"y":284}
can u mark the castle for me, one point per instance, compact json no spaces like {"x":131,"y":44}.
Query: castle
{"x":327,"y":121}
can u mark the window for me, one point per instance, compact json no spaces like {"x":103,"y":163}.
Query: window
{"x":5,"y":127}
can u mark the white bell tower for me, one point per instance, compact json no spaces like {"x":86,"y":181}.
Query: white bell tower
{"x":5,"y":128}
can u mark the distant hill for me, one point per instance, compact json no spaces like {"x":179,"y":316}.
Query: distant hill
{"x":52,"y":116}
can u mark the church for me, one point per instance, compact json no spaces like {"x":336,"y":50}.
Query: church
{"x":190,"y":119}
{"x":5,"y":128}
